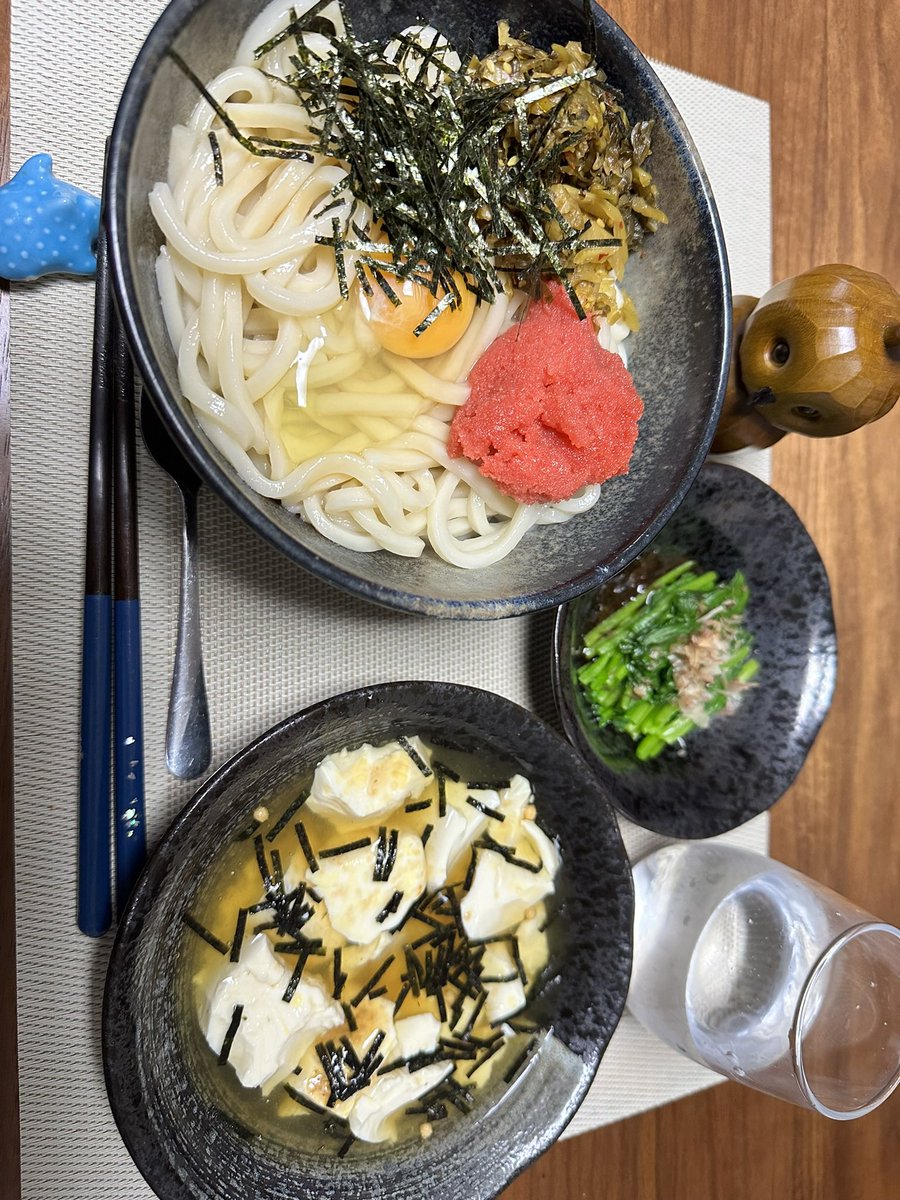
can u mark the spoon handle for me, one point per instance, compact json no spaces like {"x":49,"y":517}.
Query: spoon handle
{"x":188,"y":740}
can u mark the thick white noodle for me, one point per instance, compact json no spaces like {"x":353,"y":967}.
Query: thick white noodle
{"x":249,"y":297}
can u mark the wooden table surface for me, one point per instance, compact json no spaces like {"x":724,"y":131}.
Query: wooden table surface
{"x":829,"y":71}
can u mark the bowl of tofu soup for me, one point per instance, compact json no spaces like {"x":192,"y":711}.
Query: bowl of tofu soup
{"x":388,"y":942}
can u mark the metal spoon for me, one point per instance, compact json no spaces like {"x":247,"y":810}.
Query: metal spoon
{"x":188,"y":740}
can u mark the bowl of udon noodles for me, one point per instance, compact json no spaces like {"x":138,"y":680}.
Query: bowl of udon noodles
{"x":255,"y":1043}
{"x":380,"y":272}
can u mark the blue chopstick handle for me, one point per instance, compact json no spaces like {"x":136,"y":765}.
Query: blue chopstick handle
{"x":94,"y":890}
{"x":130,"y":836}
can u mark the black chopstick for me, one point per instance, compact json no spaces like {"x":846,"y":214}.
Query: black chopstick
{"x":128,"y":811}
{"x":94,"y":891}
{"x":111,"y":651}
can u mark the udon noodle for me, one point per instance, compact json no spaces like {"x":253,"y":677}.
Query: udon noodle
{"x":284,"y":376}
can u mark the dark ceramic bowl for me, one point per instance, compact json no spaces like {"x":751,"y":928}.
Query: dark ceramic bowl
{"x":180,"y":1135}
{"x":741,"y":764}
{"x":680,"y":284}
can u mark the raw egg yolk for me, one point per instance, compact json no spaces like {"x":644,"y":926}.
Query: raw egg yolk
{"x":393,"y":325}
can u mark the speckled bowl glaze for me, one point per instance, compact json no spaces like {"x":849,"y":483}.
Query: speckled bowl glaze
{"x":186,"y":1142}
{"x":680,"y":284}
{"x":742,"y":764}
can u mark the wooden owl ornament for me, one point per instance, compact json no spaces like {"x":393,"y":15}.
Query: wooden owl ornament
{"x":819,"y":354}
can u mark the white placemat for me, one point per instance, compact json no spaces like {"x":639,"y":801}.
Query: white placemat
{"x":275,"y":639}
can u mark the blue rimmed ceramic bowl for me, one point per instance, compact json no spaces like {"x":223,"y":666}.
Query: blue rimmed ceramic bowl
{"x":680,"y":285}
{"x":184,"y":1136}
{"x":743,"y":763}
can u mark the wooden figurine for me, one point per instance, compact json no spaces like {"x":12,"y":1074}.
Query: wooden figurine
{"x":819,"y":354}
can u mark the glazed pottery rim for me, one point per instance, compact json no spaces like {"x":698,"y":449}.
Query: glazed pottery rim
{"x":132,"y":1120}
{"x":724,"y":474}
{"x":226,"y":485}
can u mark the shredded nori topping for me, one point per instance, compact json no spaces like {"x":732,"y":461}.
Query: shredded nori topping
{"x":367,"y":988}
{"x":448,"y":772}
{"x":498,"y":785}
{"x":457,"y":173}
{"x":239,"y":928}
{"x":426,"y":834}
{"x":385,"y":854}
{"x":520,"y":1062}
{"x":230,"y":1034}
{"x":201,"y":931}
{"x":391,"y":907}
{"x":346,"y":848}
{"x":489,"y":1053}
{"x":305,"y":1101}
{"x":493,"y":813}
{"x":417,"y":806}
{"x":413,"y":753}
{"x":303,"y":839}
{"x":287,"y":816}
{"x":344,"y":1148}
{"x":217,"y":159}
{"x":340,"y":977}
{"x":344,"y":1078}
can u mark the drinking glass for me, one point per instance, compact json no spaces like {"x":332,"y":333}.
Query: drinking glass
{"x":767,"y":977}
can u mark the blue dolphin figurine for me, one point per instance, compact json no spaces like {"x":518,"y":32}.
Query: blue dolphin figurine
{"x":47,"y":226}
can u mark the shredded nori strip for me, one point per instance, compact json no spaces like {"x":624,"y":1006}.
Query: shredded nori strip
{"x":404,"y":741}
{"x":294,"y":981}
{"x":497,"y":786}
{"x":286,"y":817}
{"x":442,"y":796}
{"x":493,"y":813}
{"x":345,"y":1080}
{"x":201,"y":931}
{"x":345,"y":849}
{"x":239,"y":928}
{"x":340,"y":977}
{"x":305,"y":846}
{"x":230,"y":1034}
{"x":426,"y":834}
{"x":401,"y":996}
{"x":352,"y":1056}
{"x":351,"y":1018}
{"x":255,"y":145}
{"x":442,"y":769}
{"x":385,"y":855}
{"x":217,"y":159}
{"x":520,"y":1061}
{"x":391,"y":907}
{"x":277,"y":870}
{"x":367,"y":988}
{"x":417,"y":806}
{"x":305,"y":1101}
{"x":489,"y":1053}
{"x":382,"y":991}
{"x":488,"y":843}
{"x":473,"y":1016}
{"x":344,"y":1148}
{"x":262,"y":863}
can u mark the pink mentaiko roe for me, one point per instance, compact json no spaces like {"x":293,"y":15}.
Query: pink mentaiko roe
{"x":549,"y":409}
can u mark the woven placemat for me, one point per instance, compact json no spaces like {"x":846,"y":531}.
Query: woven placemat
{"x":275,"y":639}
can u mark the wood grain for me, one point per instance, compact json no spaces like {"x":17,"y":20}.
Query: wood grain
{"x":829,"y":72}
{"x":9,"y":1076}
